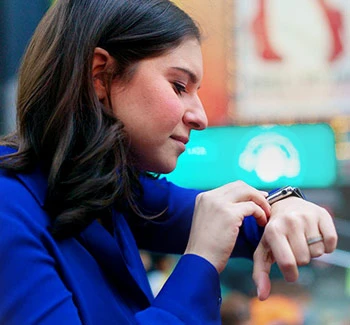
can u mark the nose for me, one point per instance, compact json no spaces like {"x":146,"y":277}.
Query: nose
{"x":195,"y":116}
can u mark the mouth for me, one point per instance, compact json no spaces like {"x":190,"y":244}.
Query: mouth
{"x":182,"y":139}
{"x":181,"y":142}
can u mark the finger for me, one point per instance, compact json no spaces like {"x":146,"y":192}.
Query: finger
{"x":262,"y":202}
{"x":328,"y":231}
{"x":246,"y":209}
{"x":297,"y":242}
{"x":252,"y":209}
{"x":300,"y":248}
{"x":261,"y":271}
{"x":316,"y":249}
{"x":264,"y":193}
{"x":285,"y":258}
{"x":240,"y":191}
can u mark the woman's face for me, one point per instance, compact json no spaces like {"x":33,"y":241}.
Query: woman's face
{"x":160,"y":106}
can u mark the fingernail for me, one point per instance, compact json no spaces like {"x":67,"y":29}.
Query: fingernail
{"x":258,"y":292}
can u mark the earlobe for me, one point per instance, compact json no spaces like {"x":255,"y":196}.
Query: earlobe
{"x":101,"y":65}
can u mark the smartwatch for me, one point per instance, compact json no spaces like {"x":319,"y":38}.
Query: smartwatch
{"x":284,"y":192}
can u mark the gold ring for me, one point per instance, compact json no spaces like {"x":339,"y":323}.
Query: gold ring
{"x":314,"y":240}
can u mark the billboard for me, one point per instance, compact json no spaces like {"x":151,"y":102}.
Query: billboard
{"x":264,"y":156}
{"x":288,"y":68}
{"x":272,"y":61}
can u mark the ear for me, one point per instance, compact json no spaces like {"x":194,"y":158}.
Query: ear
{"x":101,"y":65}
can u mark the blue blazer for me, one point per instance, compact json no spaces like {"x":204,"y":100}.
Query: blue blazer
{"x":97,"y":277}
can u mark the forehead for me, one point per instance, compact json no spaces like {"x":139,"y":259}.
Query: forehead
{"x":187,"y":53}
{"x":185,"y":57}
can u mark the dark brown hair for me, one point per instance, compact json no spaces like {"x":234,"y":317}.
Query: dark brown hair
{"x":61,"y":125}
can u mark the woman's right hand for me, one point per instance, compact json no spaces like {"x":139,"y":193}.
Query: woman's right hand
{"x":218,"y":215}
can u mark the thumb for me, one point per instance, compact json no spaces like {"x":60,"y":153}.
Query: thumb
{"x":263,"y":261}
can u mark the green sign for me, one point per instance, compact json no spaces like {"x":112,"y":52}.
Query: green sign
{"x":265,"y":157}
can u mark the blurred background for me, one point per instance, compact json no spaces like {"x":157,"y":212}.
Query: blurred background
{"x":277,"y":93}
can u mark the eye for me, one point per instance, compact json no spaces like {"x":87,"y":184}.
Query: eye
{"x":179,"y":88}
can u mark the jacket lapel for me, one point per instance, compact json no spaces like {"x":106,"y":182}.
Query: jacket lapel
{"x":118,"y":257}
{"x":119,"y":263}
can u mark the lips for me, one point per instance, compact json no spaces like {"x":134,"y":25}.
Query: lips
{"x":179,"y":138}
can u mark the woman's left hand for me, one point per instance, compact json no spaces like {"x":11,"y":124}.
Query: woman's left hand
{"x":291,"y":238}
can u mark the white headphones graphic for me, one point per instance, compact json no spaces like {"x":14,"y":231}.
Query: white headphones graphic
{"x":271,"y":156}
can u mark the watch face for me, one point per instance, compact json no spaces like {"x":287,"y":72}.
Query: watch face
{"x":280,"y":194}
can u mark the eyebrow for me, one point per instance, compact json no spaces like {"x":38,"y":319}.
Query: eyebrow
{"x":192,"y":76}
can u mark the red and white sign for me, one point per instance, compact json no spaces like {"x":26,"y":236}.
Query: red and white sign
{"x":292,"y":60}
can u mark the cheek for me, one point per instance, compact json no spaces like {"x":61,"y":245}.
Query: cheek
{"x":168,"y":111}
{"x":149,"y":108}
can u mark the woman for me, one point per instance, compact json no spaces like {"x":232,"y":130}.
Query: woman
{"x":108,"y":92}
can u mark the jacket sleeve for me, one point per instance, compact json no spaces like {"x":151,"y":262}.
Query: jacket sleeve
{"x":176,"y":206}
{"x":191,"y":295}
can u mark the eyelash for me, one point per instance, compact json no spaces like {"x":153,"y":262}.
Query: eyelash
{"x":179,"y":88}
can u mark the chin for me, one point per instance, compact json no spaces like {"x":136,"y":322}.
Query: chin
{"x":164,"y":168}
{"x":167,"y":171}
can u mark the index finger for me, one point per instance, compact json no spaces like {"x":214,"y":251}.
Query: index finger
{"x":240,"y":191}
{"x":261,"y":271}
